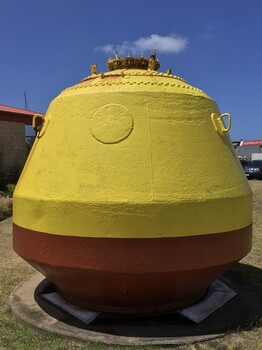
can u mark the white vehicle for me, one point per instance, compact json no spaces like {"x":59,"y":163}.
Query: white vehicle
{"x":256,"y":156}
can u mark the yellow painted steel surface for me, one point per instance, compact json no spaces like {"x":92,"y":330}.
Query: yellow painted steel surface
{"x":133,"y":154}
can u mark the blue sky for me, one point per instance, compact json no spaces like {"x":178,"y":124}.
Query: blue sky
{"x":48,"y":45}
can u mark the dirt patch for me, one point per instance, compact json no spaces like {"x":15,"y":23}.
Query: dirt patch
{"x":6,"y":207}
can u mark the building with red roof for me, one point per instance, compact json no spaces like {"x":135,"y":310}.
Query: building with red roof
{"x":12,"y":142}
{"x":16,"y":115}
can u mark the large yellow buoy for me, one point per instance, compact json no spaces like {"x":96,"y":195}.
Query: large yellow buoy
{"x":132,"y":198}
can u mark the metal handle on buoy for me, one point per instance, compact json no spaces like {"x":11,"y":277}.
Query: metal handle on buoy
{"x":43,"y":125}
{"x":35,"y":117}
{"x":219,"y":123}
{"x":225,"y":128}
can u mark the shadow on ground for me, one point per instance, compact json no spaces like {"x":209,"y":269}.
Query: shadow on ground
{"x":243,"y":312}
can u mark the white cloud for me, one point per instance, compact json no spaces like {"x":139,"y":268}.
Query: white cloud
{"x":161,"y":44}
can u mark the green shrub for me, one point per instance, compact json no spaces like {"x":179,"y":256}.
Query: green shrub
{"x":10,"y":189}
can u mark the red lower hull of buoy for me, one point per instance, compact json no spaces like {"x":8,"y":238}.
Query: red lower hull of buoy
{"x":132,"y":275}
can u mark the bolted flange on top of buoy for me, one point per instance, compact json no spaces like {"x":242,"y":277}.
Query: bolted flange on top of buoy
{"x":134,"y":62}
